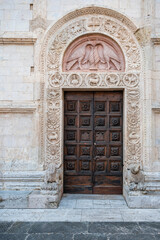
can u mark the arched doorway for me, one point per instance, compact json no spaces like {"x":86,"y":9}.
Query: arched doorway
{"x":120,"y":73}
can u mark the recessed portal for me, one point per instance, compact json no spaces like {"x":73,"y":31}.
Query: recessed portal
{"x":93,"y":142}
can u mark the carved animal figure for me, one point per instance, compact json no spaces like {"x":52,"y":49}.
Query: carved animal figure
{"x":93,"y":55}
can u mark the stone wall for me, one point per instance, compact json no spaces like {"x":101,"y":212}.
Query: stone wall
{"x":24,"y":25}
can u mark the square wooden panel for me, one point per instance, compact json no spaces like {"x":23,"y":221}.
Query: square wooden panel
{"x":115,"y":166}
{"x":71,"y":135}
{"x":85,"y":136}
{"x":100,"y":121}
{"x":71,"y":121}
{"x":100,"y":106}
{"x":115,"y":151}
{"x":71,"y":106}
{"x":100,"y":167}
{"x":85,"y":166}
{"x":100,"y":151}
{"x":85,"y":121}
{"x":115,"y":121}
{"x":115,"y":136}
{"x":85,"y":152}
{"x":100,"y":135}
{"x":71,"y":150}
{"x":70,"y":166}
{"x":114,"y":107}
{"x":85,"y":106}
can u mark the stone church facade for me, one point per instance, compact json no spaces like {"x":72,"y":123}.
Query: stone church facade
{"x":54,"y":49}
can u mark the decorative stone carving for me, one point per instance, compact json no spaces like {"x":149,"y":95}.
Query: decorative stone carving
{"x":112,"y":79}
{"x":74,"y":80}
{"x":94,"y":52}
{"x":93,"y":79}
{"x":53,"y":137}
{"x":130,"y":80}
{"x":121,"y":72}
{"x":133,"y":127}
{"x":56,"y":80}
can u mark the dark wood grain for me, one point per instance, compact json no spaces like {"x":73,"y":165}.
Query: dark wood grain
{"x":93,"y":142}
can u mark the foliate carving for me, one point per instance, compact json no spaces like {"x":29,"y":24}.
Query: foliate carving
{"x":133,"y":127}
{"x":53,"y":94}
{"x":93,"y":52}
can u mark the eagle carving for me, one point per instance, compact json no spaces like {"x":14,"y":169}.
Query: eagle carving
{"x":94,"y":55}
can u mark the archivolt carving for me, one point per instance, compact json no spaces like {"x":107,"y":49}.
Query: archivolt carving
{"x":105,"y":25}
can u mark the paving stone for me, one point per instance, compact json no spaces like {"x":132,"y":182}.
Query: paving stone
{"x":117,"y":227}
{"x":13,"y":236}
{"x":83,"y":236}
{"x":49,"y":236}
{"x":58,"y":227}
{"x":157,"y":237}
{"x":4,"y":226}
{"x":151,"y":227}
{"x":20,"y":227}
{"x":131,"y":237}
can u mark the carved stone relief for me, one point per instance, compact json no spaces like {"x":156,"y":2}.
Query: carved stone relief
{"x":94,"y":52}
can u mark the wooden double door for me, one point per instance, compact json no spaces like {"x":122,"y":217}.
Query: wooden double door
{"x":93,"y":142}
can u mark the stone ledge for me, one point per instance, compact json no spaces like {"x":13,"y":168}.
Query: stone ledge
{"x":22,"y":180}
{"x":17,"y":108}
{"x":17,"y":38}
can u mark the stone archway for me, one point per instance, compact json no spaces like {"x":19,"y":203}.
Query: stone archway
{"x":55,"y":80}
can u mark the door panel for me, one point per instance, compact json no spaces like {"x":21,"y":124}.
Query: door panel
{"x":93,"y":142}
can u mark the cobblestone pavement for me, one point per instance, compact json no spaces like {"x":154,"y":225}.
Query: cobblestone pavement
{"x":79,"y":231}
